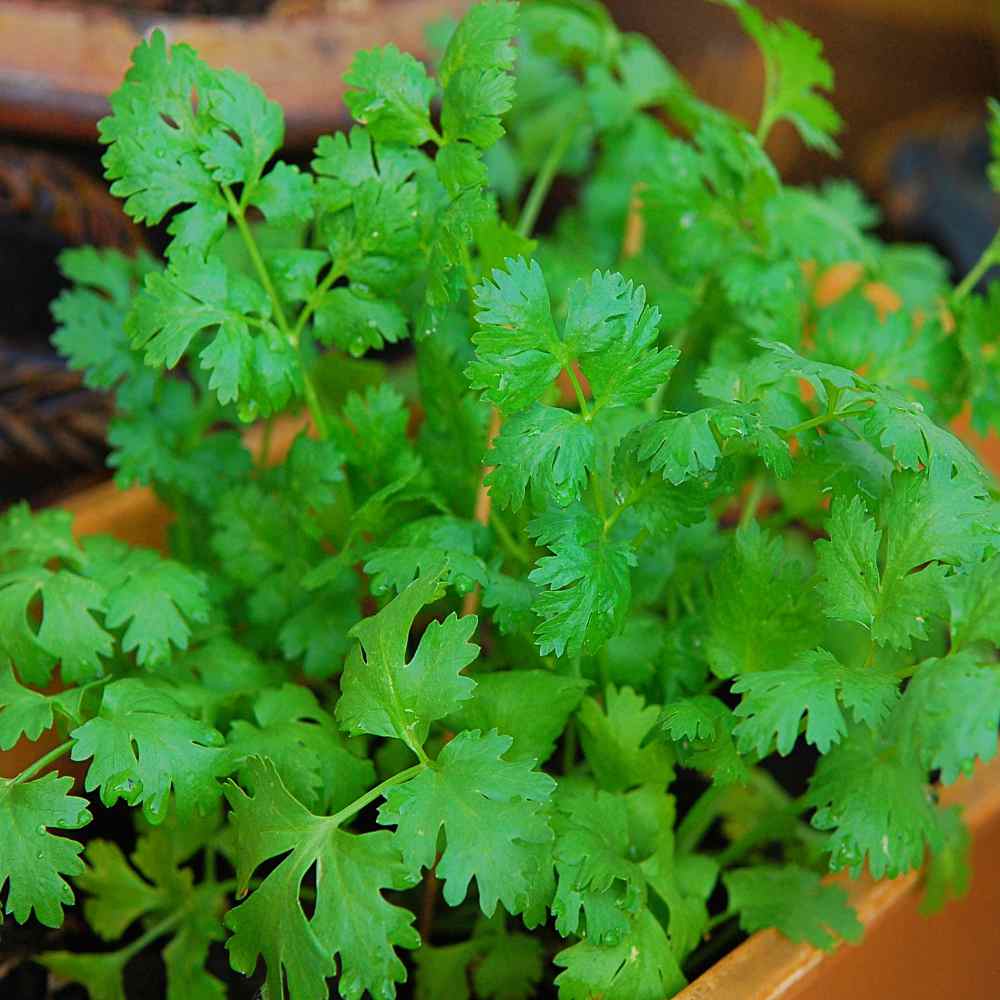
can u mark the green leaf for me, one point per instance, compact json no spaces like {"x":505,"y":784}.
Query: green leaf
{"x":953,"y":707}
{"x":600,"y":884}
{"x":701,"y":731}
{"x":490,"y":811}
{"x":385,"y":694}
{"x":816,"y":684}
{"x":680,"y":446}
{"x":588,"y":589}
{"x":796,"y":72}
{"x":994,"y":133}
{"x":974,"y":596}
{"x":518,"y":350}
{"x":641,"y":967}
{"x":444,"y":971}
{"x":926,"y":519}
{"x":157,"y":599}
{"x":299,"y":739}
{"x":530,"y":706}
{"x":872,"y":795}
{"x":271,"y":823}
{"x":32,"y":860}
{"x":948,"y":873}
{"x":248,"y":129}
{"x":103,"y":975}
{"x":391,"y":95}
{"x":156,"y":135}
{"x":760,"y":613}
{"x":426,"y":546}
{"x":68,"y":633}
{"x":144,"y":745}
{"x":548,"y":448}
{"x":28,"y":713}
{"x":511,"y":969}
{"x":794,"y":901}
{"x":613,"y":741}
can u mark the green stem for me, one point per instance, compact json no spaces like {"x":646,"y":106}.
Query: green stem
{"x":293,"y":336}
{"x":315,"y":300}
{"x":373,"y":793}
{"x":508,"y":541}
{"x":156,"y":931}
{"x":239,"y":217}
{"x":991,"y":256}
{"x":543,"y":180}
{"x":43,"y":762}
{"x":699,"y":818}
{"x":752,"y":503}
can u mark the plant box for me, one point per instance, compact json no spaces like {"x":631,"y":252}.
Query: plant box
{"x":903,"y":953}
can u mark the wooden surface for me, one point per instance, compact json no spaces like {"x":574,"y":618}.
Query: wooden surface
{"x":58,"y":63}
{"x":954,"y":955}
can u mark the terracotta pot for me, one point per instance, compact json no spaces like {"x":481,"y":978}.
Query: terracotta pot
{"x":951,"y":955}
{"x":58,"y":63}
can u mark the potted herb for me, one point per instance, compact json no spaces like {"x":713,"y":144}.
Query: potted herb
{"x":492,"y":680}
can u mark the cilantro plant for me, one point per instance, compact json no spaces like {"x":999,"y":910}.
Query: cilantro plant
{"x":482,"y":683}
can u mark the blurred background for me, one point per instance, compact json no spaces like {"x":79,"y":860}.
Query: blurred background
{"x":912,"y":78}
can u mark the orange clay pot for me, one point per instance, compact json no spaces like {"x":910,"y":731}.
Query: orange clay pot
{"x":58,"y":62}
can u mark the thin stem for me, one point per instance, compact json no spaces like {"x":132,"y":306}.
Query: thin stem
{"x":543,"y":180}
{"x":483,"y":507}
{"x":508,"y":541}
{"x":43,"y":762}
{"x":166,"y":925}
{"x":373,"y":793}
{"x":753,"y":500}
{"x":699,"y":818}
{"x":293,"y":336}
{"x":239,"y":217}
{"x":991,"y":256}
{"x":314,"y":301}
{"x":581,"y":399}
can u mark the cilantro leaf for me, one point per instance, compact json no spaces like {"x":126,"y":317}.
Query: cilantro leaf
{"x":926,"y":519}
{"x":549,"y":448}
{"x":794,"y":901}
{"x":640,"y":967}
{"x":157,"y":599}
{"x":530,"y":706}
{"x":613,"y":741}
{"x":385,"y":694}
{"x":814,"y":685}
{"x":69,"y":633}
{"x":28,"y":713}
{"x":391,"y":96}
{"x":269,"y":823}
{"x":872,"y":795}
{"x":761,"y":613}
{"x":953,"y":709}
{"x":32,"y":860}
{"x":600,"y":885}
{"x":490,"y":810}
{"x":796,"y":72}
{"x":701,"y":731}
{"x":144,"y":745}
{"x":587,"y":583}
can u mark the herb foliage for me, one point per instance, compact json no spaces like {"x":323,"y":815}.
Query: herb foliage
{"x":717,"y":521}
